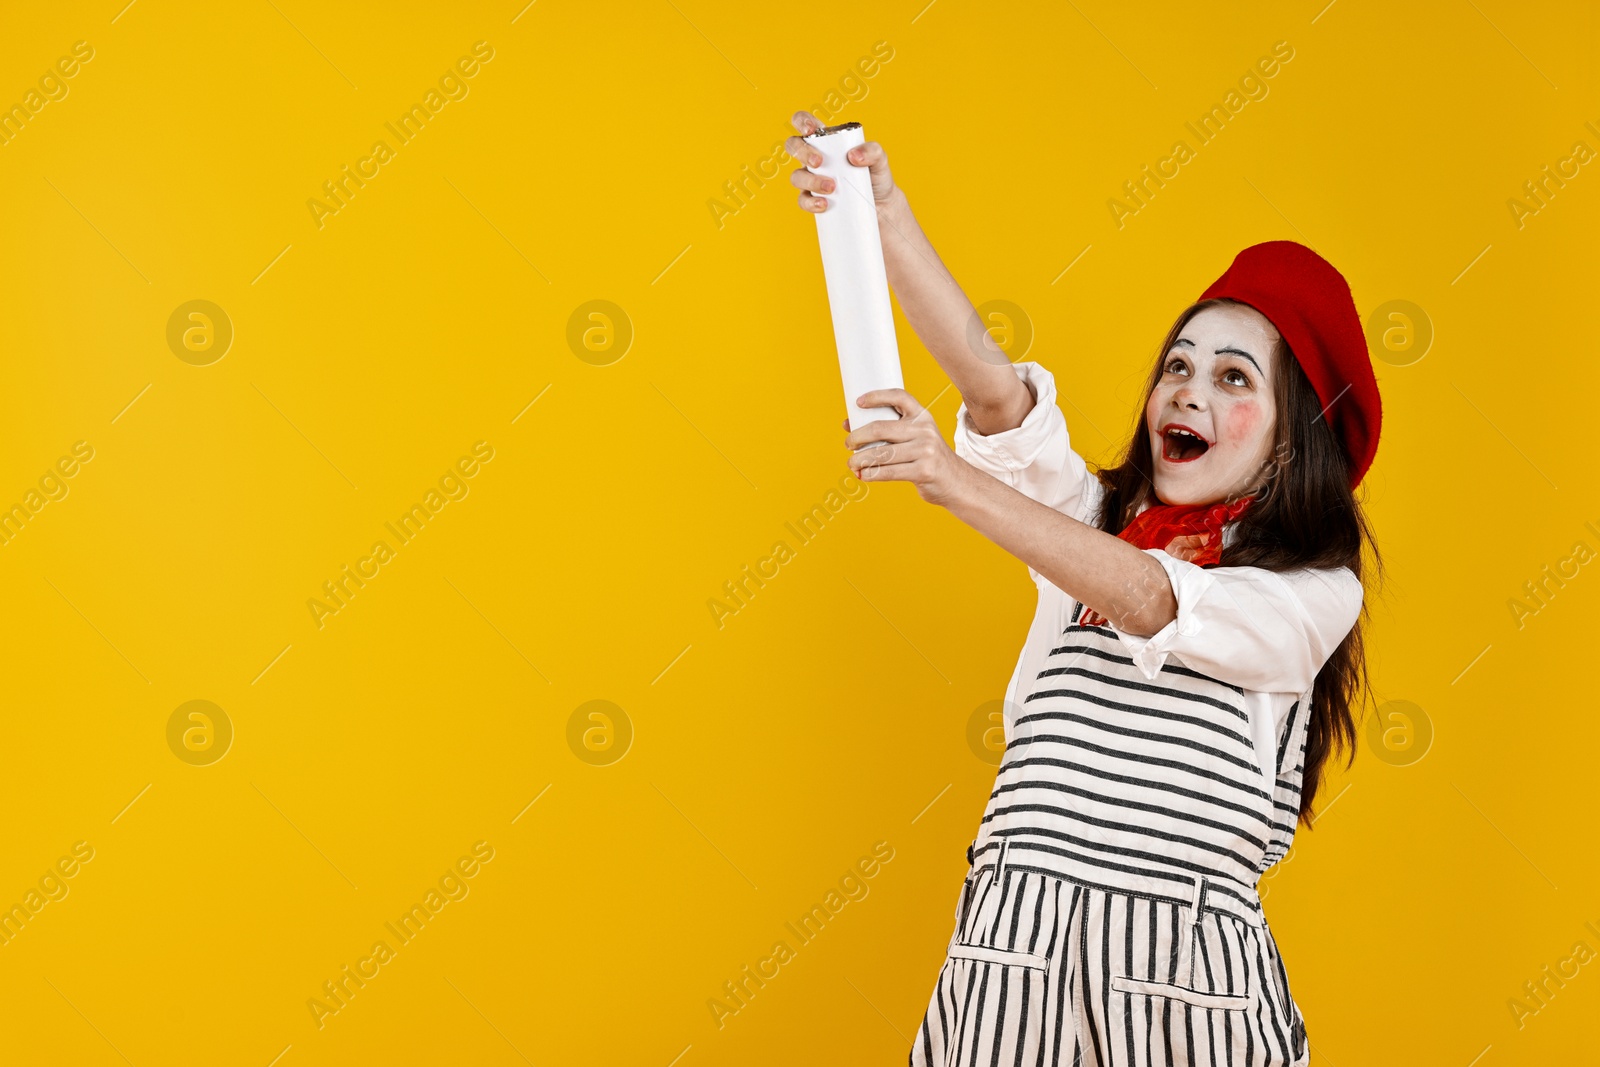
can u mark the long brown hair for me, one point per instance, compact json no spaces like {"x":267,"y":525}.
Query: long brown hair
{"x":1305,"y":515}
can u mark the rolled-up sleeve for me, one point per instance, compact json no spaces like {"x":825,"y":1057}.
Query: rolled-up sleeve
{"x":1035,"y":458}
{"x":1262,"y":630}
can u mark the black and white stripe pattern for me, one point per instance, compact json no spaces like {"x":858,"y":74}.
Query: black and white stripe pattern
{"x":1111,"y":915}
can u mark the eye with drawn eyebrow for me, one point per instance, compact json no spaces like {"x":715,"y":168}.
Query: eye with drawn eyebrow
{"x":1244,"y":355}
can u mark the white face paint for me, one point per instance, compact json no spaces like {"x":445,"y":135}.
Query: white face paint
{"x":1216,"y":381}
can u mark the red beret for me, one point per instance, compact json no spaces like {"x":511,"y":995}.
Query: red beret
{"x":1310,"y":304}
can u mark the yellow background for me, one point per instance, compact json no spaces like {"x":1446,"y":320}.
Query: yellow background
{"x":832,"y":711}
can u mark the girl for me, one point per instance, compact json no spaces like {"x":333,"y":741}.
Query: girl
{"x":1193,"y":661}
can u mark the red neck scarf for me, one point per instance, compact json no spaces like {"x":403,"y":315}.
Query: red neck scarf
{"x":1197,"y":529}
{"x":1190,"y":532}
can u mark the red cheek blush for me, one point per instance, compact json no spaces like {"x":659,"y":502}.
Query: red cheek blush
{"x":1243,"y":421}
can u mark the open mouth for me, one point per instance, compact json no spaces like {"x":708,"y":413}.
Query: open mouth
{"x":1182,"y":445}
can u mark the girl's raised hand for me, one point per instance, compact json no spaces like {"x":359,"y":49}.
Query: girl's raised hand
{"x":914,"y":450}
{"x":869,"y":155}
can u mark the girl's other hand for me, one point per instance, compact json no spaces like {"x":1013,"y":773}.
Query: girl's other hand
{"x":914,"y":450}
{"x":869,"y":155}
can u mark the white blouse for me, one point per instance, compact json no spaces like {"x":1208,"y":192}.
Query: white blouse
{"x":1267,"y":632}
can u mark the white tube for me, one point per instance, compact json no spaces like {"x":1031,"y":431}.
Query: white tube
{"x":858,"y":285}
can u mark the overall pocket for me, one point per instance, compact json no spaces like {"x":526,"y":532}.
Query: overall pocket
{"x":1210,"y":963}
{"x":999,"y":993}
{"x":1226,"y":1002}
{"x":1003,"y":956}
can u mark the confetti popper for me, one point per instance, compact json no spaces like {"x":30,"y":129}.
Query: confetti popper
{"x":858,"y":285}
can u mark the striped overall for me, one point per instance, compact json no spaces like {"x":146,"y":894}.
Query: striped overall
{"x":1110,"y":916}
